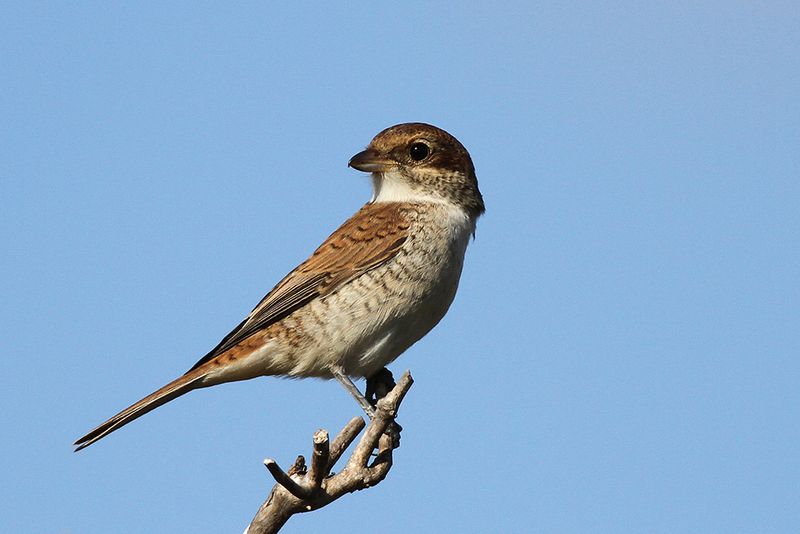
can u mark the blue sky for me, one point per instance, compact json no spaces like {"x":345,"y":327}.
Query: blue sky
{"x":623,"y":352}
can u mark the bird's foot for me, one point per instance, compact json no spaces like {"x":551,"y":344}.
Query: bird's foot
{"x":378,"y":386}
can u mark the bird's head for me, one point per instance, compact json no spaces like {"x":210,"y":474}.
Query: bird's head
{"x":416,"y":162}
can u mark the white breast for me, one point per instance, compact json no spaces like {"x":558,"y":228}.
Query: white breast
{"x":434,"y":259}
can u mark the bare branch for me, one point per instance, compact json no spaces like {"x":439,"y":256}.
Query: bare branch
{"x":348,"y":434}
{"x":319,"y":460}
{"x":301,"y":491}
{"x":284,"y":479}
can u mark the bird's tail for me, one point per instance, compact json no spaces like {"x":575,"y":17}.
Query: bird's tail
{"x":173,"y":390}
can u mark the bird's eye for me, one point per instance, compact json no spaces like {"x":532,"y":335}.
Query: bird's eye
{"x":419,"y":151}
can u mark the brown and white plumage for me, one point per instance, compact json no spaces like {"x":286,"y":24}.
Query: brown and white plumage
{"x":373,"y":288}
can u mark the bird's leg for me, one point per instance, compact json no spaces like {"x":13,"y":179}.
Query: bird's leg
{"x":341,"y":376}
{"x":378,"y":386}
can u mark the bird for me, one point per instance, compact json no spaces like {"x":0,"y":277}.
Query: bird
{"x":373,"y":288}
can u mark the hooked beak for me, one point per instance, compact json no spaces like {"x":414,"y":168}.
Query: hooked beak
{"x":370,"y":160}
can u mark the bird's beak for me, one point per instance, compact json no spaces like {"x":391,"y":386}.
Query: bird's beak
{"x":370,"y":160}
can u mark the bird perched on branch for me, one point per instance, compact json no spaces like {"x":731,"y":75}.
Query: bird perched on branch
{"x":370,"y":291}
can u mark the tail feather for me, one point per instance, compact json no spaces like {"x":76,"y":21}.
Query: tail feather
{"x":173,"y":390}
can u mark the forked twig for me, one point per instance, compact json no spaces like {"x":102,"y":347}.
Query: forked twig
{"x":301,"y":490}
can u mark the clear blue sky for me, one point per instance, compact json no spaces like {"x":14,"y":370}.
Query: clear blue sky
{"x":623,"y":352}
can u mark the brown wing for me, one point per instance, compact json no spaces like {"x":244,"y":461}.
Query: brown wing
{"x":368,"y":239}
